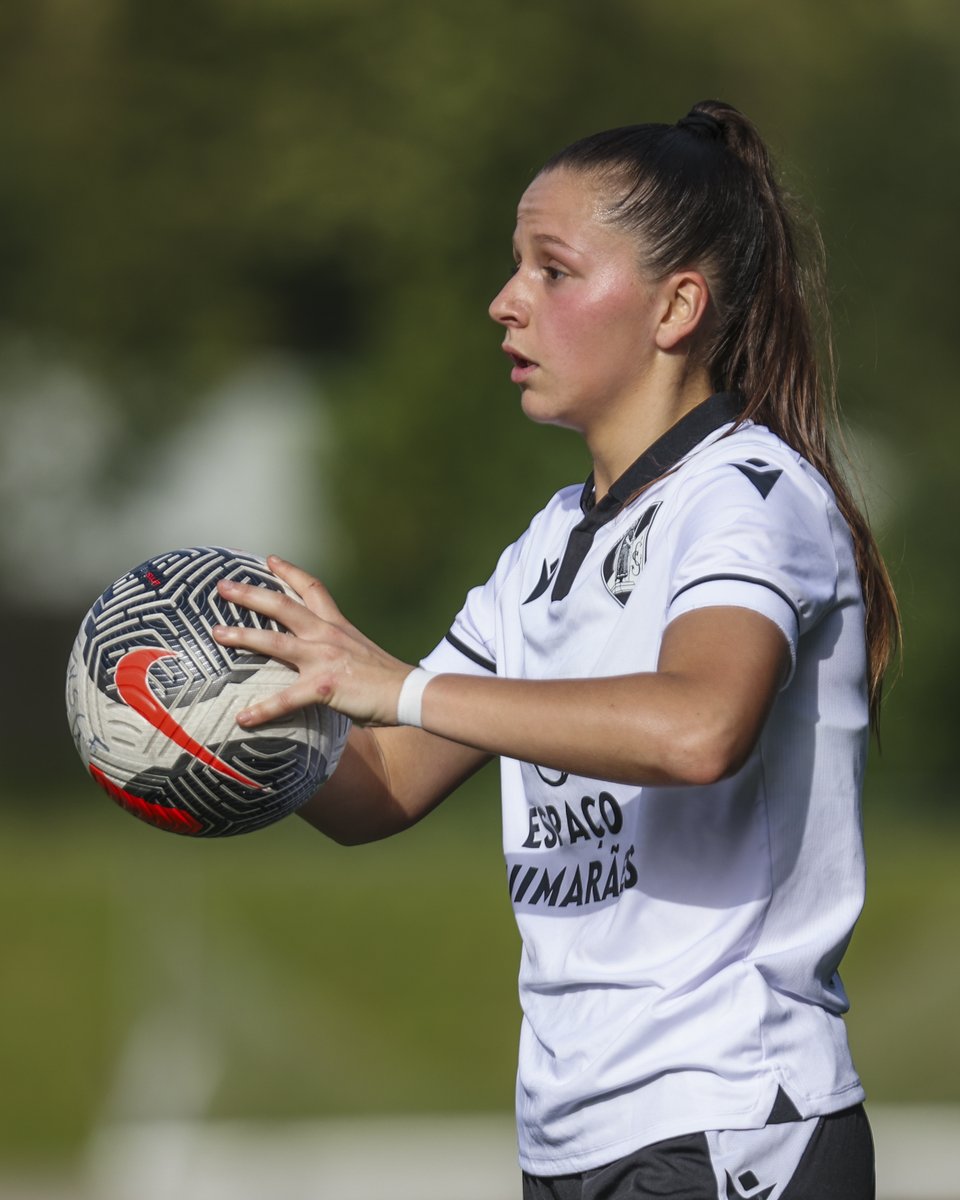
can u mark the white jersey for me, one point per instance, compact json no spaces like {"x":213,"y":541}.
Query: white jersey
{"x":681,"y":944}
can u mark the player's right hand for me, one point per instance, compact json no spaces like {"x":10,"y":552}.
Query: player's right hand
{"x":336,"y":664}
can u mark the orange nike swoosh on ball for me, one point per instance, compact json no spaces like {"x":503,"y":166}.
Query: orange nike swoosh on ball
{"x":133,"y":687}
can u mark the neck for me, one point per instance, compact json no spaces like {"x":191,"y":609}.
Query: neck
{"x":616,"y":440}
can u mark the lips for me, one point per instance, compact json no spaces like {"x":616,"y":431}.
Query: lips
{"x":523,"y":367}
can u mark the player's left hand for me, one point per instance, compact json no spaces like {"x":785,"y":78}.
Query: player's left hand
{"x":336,"y":664}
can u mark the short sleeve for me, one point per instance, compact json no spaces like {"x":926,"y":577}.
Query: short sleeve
{"x":470,"y":645}
{"x":754,"y":535}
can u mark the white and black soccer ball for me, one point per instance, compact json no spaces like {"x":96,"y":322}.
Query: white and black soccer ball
{"x":152,"y":702}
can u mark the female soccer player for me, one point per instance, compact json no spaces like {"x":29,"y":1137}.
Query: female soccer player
{"x":677,"y":664}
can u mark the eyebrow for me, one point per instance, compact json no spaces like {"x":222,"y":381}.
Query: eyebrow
{"x":550,"y":239}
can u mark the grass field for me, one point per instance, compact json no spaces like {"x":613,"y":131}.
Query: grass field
{"x":279,"y":975}
{"x":271,"y":975}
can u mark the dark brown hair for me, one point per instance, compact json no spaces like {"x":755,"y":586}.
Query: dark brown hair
{"x":704,"y":193}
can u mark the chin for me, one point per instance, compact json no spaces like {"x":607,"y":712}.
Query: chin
{"x":542,"y":412}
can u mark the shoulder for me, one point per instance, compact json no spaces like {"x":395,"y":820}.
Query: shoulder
{"x":563,"y":503}
{"x":561,"y":510}
{"x":749,"y":508}
{"x":753,"y":468}
{"x":747,"y":444}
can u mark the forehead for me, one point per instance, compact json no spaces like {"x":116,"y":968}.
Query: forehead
{"x":563,"y":202}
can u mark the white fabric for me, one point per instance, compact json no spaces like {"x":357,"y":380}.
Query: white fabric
{"x":762,"y":1162}
{"x":410,"y":700}
{"x":680,"y":944}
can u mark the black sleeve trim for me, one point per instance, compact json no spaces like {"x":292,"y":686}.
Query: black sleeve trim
{"x":472,"y":654}
{"x":742,"y":579}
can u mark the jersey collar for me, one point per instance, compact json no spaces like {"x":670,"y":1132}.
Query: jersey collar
{"x":719,"y":409}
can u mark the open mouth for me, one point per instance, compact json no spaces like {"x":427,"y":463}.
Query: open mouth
{"x":522,"y":367}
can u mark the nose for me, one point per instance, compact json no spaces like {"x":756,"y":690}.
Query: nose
{"x":508,"y":307}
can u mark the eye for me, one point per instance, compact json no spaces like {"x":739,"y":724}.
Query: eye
{"x":554,"y":274}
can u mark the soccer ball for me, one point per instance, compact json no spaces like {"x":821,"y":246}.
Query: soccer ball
{"x":152,"y":701}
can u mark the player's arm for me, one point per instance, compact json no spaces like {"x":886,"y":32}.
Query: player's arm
{"x":386,"y":780}
{"x":692,"y":721}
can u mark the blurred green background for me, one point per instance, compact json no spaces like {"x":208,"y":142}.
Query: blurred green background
{"x":246,"y":250}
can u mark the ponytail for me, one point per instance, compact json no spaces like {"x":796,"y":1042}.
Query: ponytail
{"x":704,"y":193}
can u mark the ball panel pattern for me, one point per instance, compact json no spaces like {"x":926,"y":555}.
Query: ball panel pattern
{"x":152,"y":701}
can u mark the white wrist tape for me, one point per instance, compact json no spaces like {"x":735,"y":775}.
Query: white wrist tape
{"x":410,"y":704}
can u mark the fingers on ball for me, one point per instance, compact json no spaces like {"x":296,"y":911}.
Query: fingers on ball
{"x":257,"y":641}
{"x":266,"y":602}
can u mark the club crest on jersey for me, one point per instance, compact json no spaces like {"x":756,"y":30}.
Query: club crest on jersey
{"x":622,"y":566}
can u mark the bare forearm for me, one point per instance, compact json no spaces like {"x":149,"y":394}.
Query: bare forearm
{"x":693,"y":721}
{"x":387,"y":779}
{"x":356,"y":803}
{"x":629,"y":729}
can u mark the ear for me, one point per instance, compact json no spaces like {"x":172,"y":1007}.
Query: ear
{"x":685,"y":298}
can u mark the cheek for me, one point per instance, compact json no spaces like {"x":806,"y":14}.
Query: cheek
{"x":582,"y":321}
{"x":616,"y":304}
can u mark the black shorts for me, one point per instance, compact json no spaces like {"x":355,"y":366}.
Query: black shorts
{"x":823,"y":1158}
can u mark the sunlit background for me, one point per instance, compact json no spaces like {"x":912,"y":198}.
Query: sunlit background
{"x":246,"y":248}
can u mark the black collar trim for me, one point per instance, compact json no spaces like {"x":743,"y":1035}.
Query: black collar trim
{"x":718,"y":410}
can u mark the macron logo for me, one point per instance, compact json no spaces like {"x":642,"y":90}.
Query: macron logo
{"x":546,"y":574}
{"x":760,"y":474}
{"x":749,"y":1181}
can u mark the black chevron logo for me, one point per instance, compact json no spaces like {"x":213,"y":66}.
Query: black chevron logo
{"x":760,"y":474}
{"x":546,"y":574}
{"x":747,"y":1180}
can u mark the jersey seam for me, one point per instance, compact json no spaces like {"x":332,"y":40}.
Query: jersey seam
{"x":719,"y":578}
